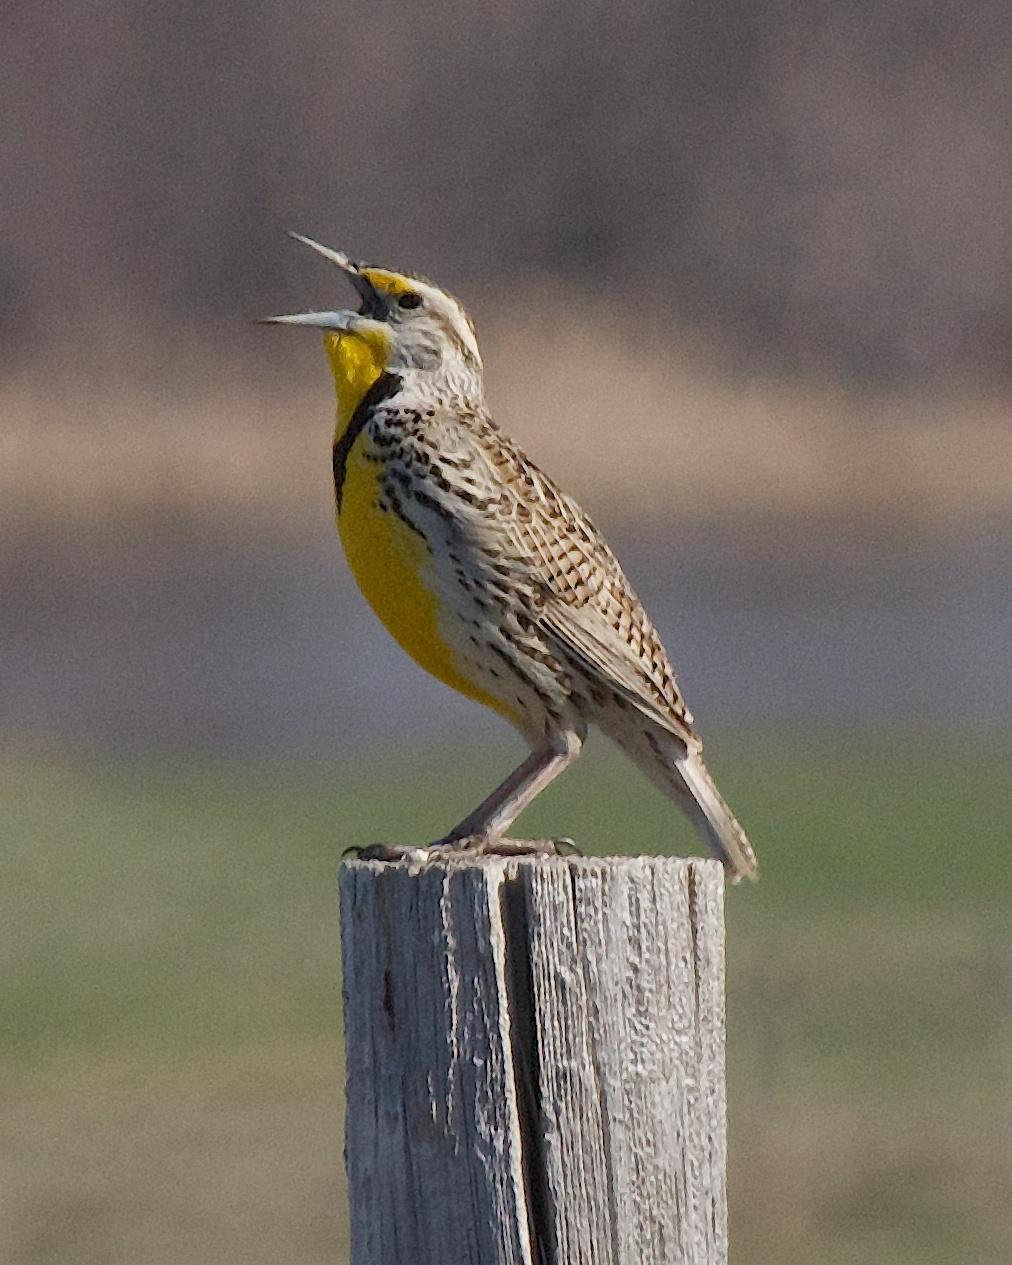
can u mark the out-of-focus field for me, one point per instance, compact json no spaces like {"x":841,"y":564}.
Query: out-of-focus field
{"x":172,"y":577}
{"x":144,"y":425}
{"x":171,"y":1026}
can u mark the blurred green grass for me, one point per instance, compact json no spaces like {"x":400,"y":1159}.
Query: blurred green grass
{"x":171,"y":1026}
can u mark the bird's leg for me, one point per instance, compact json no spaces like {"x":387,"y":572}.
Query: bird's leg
{"x":483,"y":829}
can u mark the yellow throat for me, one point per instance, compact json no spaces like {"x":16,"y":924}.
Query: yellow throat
{"x":357,"y":361}
{"x":389,"y":560}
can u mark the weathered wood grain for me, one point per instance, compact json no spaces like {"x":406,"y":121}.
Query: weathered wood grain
{"x":535,"y":1061}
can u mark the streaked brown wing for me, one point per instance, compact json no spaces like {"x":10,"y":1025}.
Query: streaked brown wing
{"x":589,"y":605}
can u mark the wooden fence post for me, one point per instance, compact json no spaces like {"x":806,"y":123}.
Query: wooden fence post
{"x":535,"y":1061}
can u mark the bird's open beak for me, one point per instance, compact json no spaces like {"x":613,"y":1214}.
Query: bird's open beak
{"x":341,"y":320}
{"x":315,"y":320}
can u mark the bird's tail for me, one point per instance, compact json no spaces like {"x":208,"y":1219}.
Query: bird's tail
{"x":715,"y":822}
{"x":683,"y":777}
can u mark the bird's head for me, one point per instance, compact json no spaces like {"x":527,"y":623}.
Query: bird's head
{"x":403,"y":323}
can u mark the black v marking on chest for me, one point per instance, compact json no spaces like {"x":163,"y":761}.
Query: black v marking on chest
{"x":386,"y":385}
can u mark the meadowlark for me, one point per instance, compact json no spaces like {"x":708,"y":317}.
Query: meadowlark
{"x":485,"y":572}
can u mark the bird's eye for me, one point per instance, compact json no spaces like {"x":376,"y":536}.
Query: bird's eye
{"x":410,"y":299}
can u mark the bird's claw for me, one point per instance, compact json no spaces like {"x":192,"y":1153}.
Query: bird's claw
{"x":386,"y":852}
{"x":463,"y":847}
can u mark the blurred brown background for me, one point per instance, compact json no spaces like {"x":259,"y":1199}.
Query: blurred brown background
{"x":741,"y":271}
{"x":741,"y":276}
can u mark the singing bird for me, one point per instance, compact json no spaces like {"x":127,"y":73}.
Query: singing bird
{"x":486,"y":573}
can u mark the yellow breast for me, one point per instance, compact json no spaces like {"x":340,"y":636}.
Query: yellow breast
{"x":389,"y":560}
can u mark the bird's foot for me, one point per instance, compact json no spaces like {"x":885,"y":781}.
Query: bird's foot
{"x":501,"y":846}
{"x":462,"y":846}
